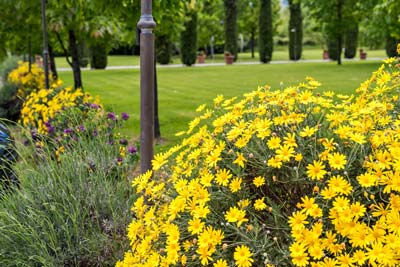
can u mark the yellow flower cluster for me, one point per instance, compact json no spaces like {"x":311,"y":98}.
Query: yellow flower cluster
{"x":26,"y":80}
{"x":354,"y":220}
{"x":225,"y":195}
{"x":43,"y":105}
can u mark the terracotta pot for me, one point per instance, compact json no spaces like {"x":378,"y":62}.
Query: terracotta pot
{"x":201,"y":59}
{"x":325,"y":54}
{"x":229,"y":59}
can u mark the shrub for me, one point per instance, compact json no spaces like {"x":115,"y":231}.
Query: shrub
{"x":10,"y":104}
{"x":27,"y":81}
{"x":189,"y":39}
{"x":42,"y":106}
{"x":265,"y":41}
{"x":390,"y":45}
{"x":227,"y":194}
{"x":7,"y":66}
{"x":332,"y":45}
{"x":73,"y":204}
{"x":296,"y":36}
{"x":19,"y":84}
{"x":230,"y":27}
{"x":99,"y":55}
{"x":351,"y":40}
{"x":163,"y":48}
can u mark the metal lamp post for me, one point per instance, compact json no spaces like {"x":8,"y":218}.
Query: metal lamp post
{"x":146,"y":24}
{"x":293,"y":30}
{"x":45,"y":48}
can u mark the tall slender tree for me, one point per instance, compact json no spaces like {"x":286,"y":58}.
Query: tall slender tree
{"x":351,"y":40}
{"x":265,"y":29}
{"x":230,"y":26}
{"x":189,"y":38}
{"x":295,"y":30}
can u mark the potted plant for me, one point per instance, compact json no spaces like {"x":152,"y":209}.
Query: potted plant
{"x":363,"y":55}
{"x":325,"y":54}
{"x":229,"y":58}
{"x":201,"y":57}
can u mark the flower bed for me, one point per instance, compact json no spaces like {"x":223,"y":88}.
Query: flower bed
{"x":278,"y":178}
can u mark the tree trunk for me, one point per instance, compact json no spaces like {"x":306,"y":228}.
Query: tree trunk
{"x":339,"y":34}
{"x":73,"y":49}
{"x":53,"y":67}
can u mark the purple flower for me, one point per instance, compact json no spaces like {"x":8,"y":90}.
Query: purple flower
{"x":95,"y":106}
{"x":123,"y":141}
{"x":111,"y":115}
{"x":118,"y":160}
{"x":68,"y":131}
{"x":49,"y":127}
{"x":81,"y":128}
{"x":124,"y":116}
{"x":132,"y":150}
{"x":95,"y":133}
{"x":34,"y":134}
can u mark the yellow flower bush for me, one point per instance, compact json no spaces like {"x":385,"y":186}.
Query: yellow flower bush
{"x":287,"y":177}
{"x":27,"y":81}
{"x":43,"y":105}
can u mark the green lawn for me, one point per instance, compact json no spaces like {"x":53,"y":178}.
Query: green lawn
{"x":280,"y":53}
{"x":181,"y":90}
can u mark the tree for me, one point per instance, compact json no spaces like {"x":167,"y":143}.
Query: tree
{"x":295,"y":30}
{"x":334,"y":15}
{"x":189,"y":38}
{"x":265,"y":40}
{"x":163,"y":47}
{"x":210,"y":25}
{"x":230,"y":26}
{"x":383,"y":25}
{"x":20,"y":28}
{"x":248,"y":21}
{"x":73,"y":21}
{"x":391,"y":46}
{"x":351,"y":40}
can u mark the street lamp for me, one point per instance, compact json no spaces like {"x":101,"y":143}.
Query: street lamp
{"x":293,"y":30}
{"x":45,"y":48}
{"x":146,"y":25}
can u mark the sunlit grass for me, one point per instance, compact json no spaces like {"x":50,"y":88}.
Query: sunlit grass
{"x":280,"y":53}
{"x":181,"y":90}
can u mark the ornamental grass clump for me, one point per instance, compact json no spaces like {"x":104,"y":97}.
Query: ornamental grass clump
{"x":71,"y":208}
{"x":288,"y":177}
